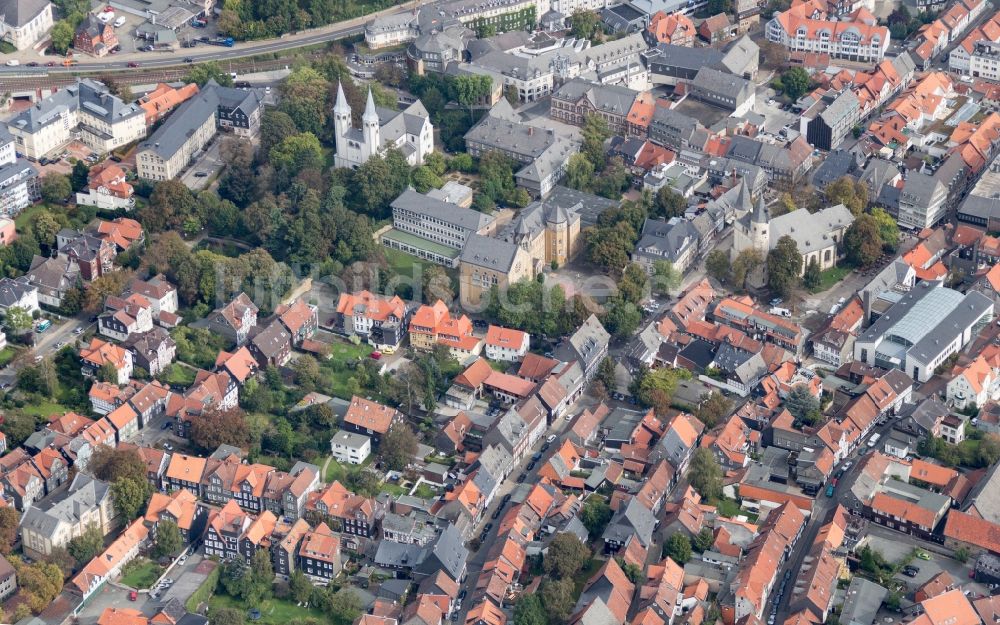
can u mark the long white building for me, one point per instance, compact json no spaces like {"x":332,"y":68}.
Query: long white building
{"x":926,"y":326}
{"x":806,"y":27}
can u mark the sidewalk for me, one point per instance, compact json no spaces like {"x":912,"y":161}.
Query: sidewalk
{"x":248,"y":48}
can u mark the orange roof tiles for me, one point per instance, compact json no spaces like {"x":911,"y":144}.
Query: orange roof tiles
{"x":160,"y":101}
{"x":950,"y":608}
{"x":186,"y":468}
{"x":97,"y":570}
{"x":99,"y":352}
{"x":321,"y":544}
{"x":370,"y":415}
{"x":973,"y":530}
{"x":475,"y":374}
{"x":182,"y":505}
{"x":371,"y":306}
{"x":672,"y":28}
{"x":122,"y":616}
{"x":69,"y":424}
{"x":505,"y":337}
{"x":902,"y":509}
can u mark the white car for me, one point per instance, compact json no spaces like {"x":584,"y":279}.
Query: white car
{"x":551,"y":438}
{"x":13,"y":63}
{"x":120,"y":22}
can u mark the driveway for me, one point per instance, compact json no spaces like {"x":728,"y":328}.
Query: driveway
{"x":208,"y":163}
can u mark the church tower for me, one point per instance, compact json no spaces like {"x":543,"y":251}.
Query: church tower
{"x":760,"y":233}
{"x":341,"y":121}
{"x":370,"y":129}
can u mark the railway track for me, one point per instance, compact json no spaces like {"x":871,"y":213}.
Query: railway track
{"x":40,"y":78}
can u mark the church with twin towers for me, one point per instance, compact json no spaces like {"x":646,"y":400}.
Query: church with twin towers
{"x":410,"y":131}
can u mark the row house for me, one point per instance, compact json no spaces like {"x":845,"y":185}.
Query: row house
{"x":181,"y":508}
{"x":358,"y":516}
{"x":806,"y":27}
{"x":230,"y":479}
{"x":225,"y":529}
{"x":319,"y":554}
{"x":300,"y":319}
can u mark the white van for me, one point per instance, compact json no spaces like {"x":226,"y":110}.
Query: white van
{"x":106,"y":16}
{"x":120,"y":22}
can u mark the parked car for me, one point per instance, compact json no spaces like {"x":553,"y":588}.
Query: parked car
{"x":923,"y":555}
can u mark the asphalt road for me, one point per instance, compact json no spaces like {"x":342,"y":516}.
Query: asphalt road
{"x":821,"y":514}
{"x":475,"y":563}
{"x":46,"y":345}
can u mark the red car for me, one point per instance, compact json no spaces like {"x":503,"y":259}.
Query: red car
{"x":375,"y":355}
{"x":133,"y":64}
{"x":132,"y":596}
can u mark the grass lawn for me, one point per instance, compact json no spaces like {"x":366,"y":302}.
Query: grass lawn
{"x":402,"y":264}
{"x":829,"y":278}
{"x":727,"y":507}
{"x":22,"y":220}
{"x":339,"y":471}
{"x":347,"y":353}
{"x":393,"y":489}
{"x":272,"y":611}
{"x":583,"y":576}
{"x":425,"y":492}
{"x":178,"y":374}
{"x":7,"y":354}
{"x":44,"y":409}
{"x":142,"y":575}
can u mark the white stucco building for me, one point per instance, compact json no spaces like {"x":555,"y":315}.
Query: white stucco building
{"x":410,"y":131}
{"x":23,"y":23}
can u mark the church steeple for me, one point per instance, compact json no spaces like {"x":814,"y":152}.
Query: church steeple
{"x":760,"y":213}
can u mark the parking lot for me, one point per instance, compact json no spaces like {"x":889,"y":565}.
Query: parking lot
{"x":775,"y":118}
{"x":204,"y":169}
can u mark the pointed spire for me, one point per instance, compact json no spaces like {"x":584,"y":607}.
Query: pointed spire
{"x":761,"y":214}
{"x":370,"y":107}
{"x":341,"y":106}
{"x":745,"y":200}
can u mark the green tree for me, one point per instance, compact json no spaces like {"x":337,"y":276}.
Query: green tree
{"x":795,"y":82}
{"x":130,"y":496}
{"x":579,"y":173}
{"x":201,"y":72}
{"x":61,"y":36}
{"x":784,"y":265}
{"x":847,"y":191}
{"x":744,"y":265}
{"x":226,"y":616}
{"x":655,"y":388}
{"x":435,"y":284}
{"x":566,"y":555}
{"x":529,"y":610}
{"x":80,"y":175}
{"x":665,"y":278}
{"x":703,"y":540}
{"x":595,"y":132}
{"x":107,"y":373}
{"x":678,"y":548}
{"x":705,"y":474}
{"x":295,"y":154}
{"x":217,"y":427}
{"x":345,"y":606}
{"x":9,"y":526}
{"x":299,"y":586}
{"x":558,"y":597}
{"x":717,"y":265}
{"x":585,"y":24}
{"x":621,"y":317}
{"x":812,"y":276}
{"x":713,"y":409}
{"x":424,"y":179}
{"x":84,"y":547}
{"x":398,"y":446}
{"x":304,"y":97}
{"x":55,"y":188}
{"x":888,"y":229}
{"x":595,"y":515}
{"x":863,"y":241}
{"x":17,"y":320}
{"x":168,"y":539}
{"x":802,"y":404}
{"x":275,"y":125}
{"x":669,"y":203}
